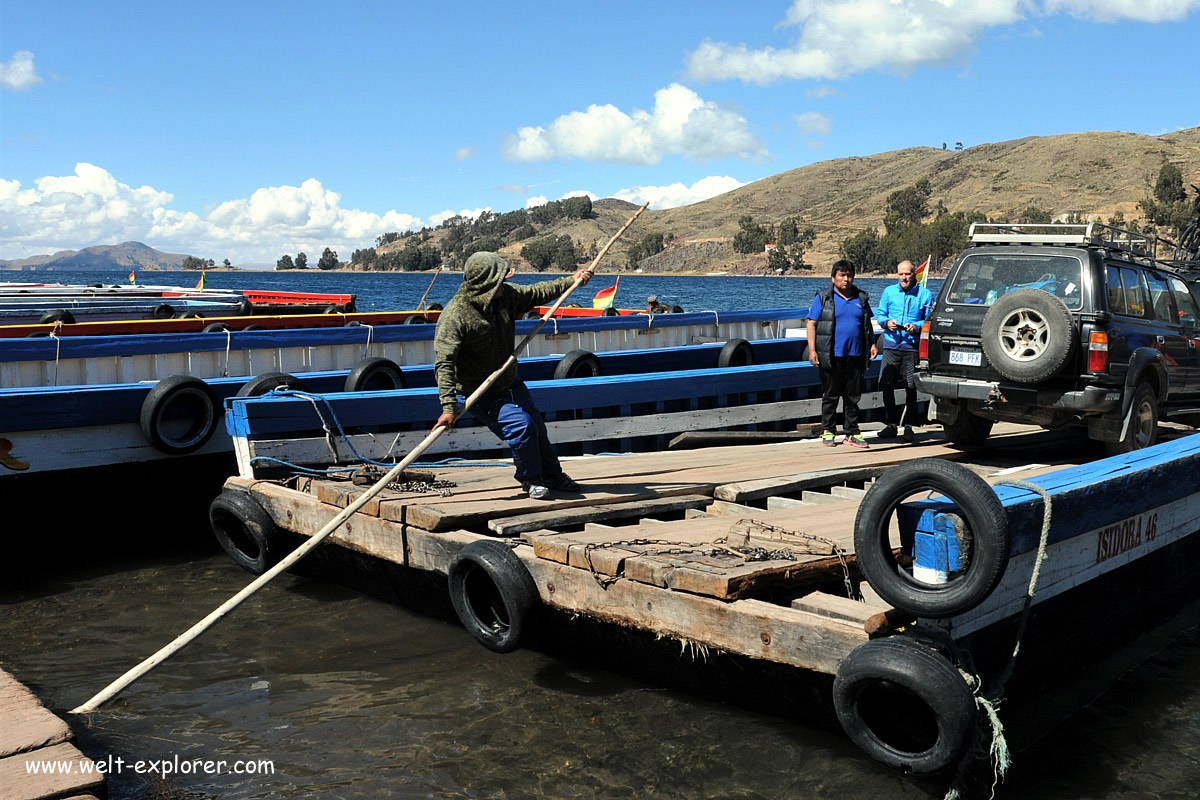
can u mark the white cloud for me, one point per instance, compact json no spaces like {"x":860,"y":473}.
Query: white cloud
{"x":536,"y":200}
{"x":463,"y":153}
{"x":18,"y":73}
{"x":465,"y":213}
{"x":93,"y":207}
{"x":677,"y":194}
{"x":814,"y":122}
{"x":1117,"y":10}
{"x":821,"y":91}
{"x":838,"y":38}
{"x":682,"y":123}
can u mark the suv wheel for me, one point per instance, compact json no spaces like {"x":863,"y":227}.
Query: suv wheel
{"x":966,"y":429}
{"x":1142,"y":430}
{"x":1028,"y":335}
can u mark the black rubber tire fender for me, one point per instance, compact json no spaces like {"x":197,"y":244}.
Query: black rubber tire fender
{"x":57,"y":315}
{"x":254,"y":326}
{"x":985,"y":520}
{"x":179,"y":414}
{"x":577,"y":364}
{"x":905,"y":705}
{"x":611,"y":312}
{"x":493,"y":594}
{"x":415,"y":319}
{"x":163,"y":311}
{"x":736,"y":353}
{"x":268,"y":381}
{"x":245,"y":531}
{"x":374,"y":374}
{"x":189,"y":315}
{"x":215,"y":327}
{"x":244,"y":306}
{"x":1025,"y":312}
{"x":1143,"y":422}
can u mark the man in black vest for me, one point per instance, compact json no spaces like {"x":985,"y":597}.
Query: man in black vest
{"x":841,"y":342}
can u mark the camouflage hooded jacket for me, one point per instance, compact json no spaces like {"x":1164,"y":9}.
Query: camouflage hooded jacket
{"x":476,"y":331}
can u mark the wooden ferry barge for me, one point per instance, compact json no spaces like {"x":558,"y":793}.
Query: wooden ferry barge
{"x":896,"y":571}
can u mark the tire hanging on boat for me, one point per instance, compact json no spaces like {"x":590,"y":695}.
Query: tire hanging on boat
{"x":215,"y":327}
{"x":905,"y":704}
{"x":493,"y":594}
{"x":415,"y":319}
{"x":57,"y":315}
{"x":245,"y":531}
{"x":269,"y":381}
{"x":985,"y":526}
{"x":736,"y":353}
{"x":179,"y":414}
{"x":374,"y":374}
{"x":577,"y":364}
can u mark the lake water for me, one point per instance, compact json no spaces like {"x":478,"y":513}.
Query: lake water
{"x":349,"y":694}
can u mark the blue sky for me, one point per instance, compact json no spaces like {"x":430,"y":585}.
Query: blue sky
{"x":245,"y":130}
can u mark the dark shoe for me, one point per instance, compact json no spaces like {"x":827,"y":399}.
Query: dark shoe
{"x":563,"y":483}
{"x":887,"y":432}
{"x":909,"y":436}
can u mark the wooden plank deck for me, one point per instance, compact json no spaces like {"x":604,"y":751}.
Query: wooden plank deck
{"x":660,"y":541}
{"x":30,"y":732}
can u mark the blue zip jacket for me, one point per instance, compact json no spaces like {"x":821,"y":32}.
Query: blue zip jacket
{"x":904,"y":307}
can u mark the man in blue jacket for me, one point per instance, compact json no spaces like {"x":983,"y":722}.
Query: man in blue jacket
{"x":902,"y":309}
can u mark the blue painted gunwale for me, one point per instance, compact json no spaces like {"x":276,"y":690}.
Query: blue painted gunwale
{"x":45,"y":349}
{"x":1090,"y":496}
{"x":57,"y":407}
{"x":277,"y":416}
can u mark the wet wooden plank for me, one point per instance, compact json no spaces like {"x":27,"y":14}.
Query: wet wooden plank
{"x":18,"y":783}
{"x":28,"y":725}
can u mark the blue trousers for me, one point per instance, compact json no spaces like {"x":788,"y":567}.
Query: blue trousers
{"x":512,"y":416}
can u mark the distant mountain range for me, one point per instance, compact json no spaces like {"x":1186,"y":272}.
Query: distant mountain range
{"x":101,"y":257}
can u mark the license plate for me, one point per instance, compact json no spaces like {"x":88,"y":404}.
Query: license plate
{"x":968,"y":358}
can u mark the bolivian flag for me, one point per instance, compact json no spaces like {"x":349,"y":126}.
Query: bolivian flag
{"x":604,"y":298}
{"x":923,"y":271}
{"x":200,"y":283}
{"x":132,"y":277}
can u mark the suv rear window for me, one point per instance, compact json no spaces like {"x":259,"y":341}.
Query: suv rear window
{"x":985,"y":277}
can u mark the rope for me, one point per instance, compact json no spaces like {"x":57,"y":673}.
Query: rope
{"x":370,"y":333}
{"x":997,"y":749}
{"x":57,"y":347}
{"x":228,"y":347}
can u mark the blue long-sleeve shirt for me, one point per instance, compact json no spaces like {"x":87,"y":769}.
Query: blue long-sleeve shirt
{"x":905,"y":307}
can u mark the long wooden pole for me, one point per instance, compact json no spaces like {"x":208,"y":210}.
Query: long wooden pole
{"x":421,"y":303}
{"x":229,"y":605}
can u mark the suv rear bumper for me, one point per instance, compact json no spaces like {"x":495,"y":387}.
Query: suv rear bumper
{"x":1090,"y":399}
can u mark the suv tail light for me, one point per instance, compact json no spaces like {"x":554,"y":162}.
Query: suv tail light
{"x":1097,"y":359}
{"x":923,"y":345}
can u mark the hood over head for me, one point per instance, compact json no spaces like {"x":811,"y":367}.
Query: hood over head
{"x":483,"y":275}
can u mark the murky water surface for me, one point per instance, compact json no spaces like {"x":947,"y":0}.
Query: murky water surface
{"x":349,"y":695}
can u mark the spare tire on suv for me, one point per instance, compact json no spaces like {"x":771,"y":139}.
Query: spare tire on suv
{"x":1028,"y":335}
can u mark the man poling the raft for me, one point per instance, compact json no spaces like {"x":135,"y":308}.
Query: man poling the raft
{"x":441,"y":427}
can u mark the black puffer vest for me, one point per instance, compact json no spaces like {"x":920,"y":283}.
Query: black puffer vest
{"x":826,"y":325}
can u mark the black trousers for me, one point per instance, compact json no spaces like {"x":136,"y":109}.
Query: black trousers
{"x":899,"y":369}
{"x":842,"y":380}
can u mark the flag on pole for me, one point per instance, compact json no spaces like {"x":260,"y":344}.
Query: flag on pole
{"x":923,"y":271}
{"x":200,"y":283}
{"x":132,"y":277}
{"x":604,"y":298}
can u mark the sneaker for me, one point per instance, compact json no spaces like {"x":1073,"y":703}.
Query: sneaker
{"x":827,"y":439}
{"x":909,"y":436}
{"x":887,"y":432}
{"x":563,"y":483}
{"x":856,"y":440}
{"x":535,"y":491}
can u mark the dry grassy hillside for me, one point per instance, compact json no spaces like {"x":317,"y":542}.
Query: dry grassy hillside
{"x":1094,"y":174}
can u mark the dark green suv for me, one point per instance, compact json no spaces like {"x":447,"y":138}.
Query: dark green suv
{"x":1063,"y":324}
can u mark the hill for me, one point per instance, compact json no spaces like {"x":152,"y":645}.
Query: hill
{"x":127,"y":255}
{"x":1093,"y":174}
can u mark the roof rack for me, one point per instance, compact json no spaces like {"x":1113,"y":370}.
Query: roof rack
{"x":1097,"y":234}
